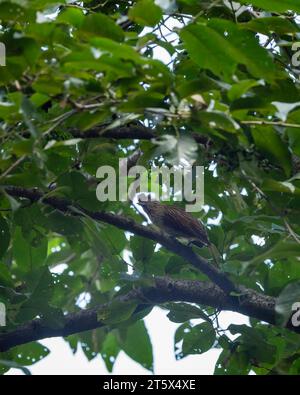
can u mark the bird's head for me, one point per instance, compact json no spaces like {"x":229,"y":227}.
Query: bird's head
{"x":145,"y":201}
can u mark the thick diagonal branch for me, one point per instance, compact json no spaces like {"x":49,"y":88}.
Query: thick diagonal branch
{"x":138,"y":132}
{"x":163,"y":290}
{"x":66,"y":206}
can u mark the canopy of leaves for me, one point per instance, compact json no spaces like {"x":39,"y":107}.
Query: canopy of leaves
{"x":216,"y":84}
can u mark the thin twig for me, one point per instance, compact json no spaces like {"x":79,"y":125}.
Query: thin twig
{"x":273,"y":123}
{"x":275,"y":209}
{"x":12,"y":167}
{"x":291,"y":232}
{"x":233,"y":11}
{"x":59,"y":120}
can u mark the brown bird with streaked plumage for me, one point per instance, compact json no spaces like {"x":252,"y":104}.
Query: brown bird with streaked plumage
{"x":175,"y":221}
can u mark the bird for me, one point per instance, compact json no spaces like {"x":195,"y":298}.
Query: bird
{"x":175,"y":221}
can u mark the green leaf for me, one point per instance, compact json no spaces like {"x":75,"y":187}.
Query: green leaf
{"x":39,"y":4}
{"x":137,"y":344}
{"x":232,"y":362}
{"x":142,"y":249}
{"x":91,"y":342}
{"x":110,"y":350}
{"x":9,"y":10}
{"x":275,"y":5}
{"x":4,"y":236}
{"x":117,"y":312}
{"x":72,"y":16}
{"x":221,"y":45}
{"x":40,"y":288}
{"x":269,"y":142}
{"x":254,"y":342}
{"x":54,"y":318}
{"x":29,"y":254}
{"x":28,"y":354}
{"x":277,"y":278}
{"x":217,"y":120}
{"x":29,"y":113}
{"x":271,"y":24}
{"x":199,"y":340}
{"x":117,"y":49}
{"x":5,"y":276}
{"x":294,"y":133}
{"x":285,"y":302}
{"x":208,"y":49}
{"x":239,"y":89}
{"x":280,"y":186}
{"x":283,"y":249}
{"x":145,"y":13}
{"x":294,"y":139}
{"x":295,"y":368}
{"x":14,"y":365}
{"x":101,"y":25}
{"x":246,"y":49}
{"x":139,"y":102}
{"x":177,"y":151}
{"x":196,"y":339}
{"x":115,"y":238}
{"x":181,"y":312}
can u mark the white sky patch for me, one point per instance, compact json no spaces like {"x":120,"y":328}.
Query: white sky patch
{"x":269,"y":263}
{"x":45,"y":17}
{"x":127,"y":255}
{"x":215,"y":221}
{"x":260,"y":241}
{"x":212,"y":166}
{"x":166,"y":5}
{"x":206,"y":208}
{"x":59,"y":269}
{"x":283,"y":109}
{"x":244,"y":192}
{"x":165,"y":32}
{"x":83,"y":300}
{"x":233,"y":246}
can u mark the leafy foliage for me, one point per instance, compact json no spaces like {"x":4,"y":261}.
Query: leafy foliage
{"x":225,"y":95}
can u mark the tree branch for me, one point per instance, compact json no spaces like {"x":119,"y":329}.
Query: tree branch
{"x":164,"y":290}
{"x":66,"y":206}
{"x":271,"y":123}
{"x":138,"y":132}
{"x":249,"y":302}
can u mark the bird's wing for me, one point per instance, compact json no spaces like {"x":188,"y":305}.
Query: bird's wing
{"x":184,"y":223}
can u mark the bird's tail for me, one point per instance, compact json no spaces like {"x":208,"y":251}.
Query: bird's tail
{"x":199,"y":243}
{"x":215,"y":254}
{"x":212,"y":248}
